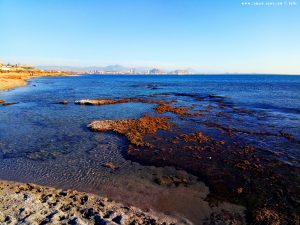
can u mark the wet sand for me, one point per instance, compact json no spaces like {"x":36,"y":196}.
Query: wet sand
{"x":34,"y":204}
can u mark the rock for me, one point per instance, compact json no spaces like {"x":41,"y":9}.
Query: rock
{"x":97,"y":102}
{"x":196,"y":137}
{"x":267,"y":216}
{"x":9,"y":103}
{"x":110,"y":165}
{"x":133,"y":129}
{"x":170,"y":180}
{"x":288,"y":136}
{"x":100,"y":101}
{"x":182,"y":111}
{"x":225,"y":217}
{"x":64,"y":102}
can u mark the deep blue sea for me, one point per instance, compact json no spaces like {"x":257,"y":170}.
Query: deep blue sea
{"x":49,"y":143}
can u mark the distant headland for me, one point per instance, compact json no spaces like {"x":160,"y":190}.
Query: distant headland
{"x":12,"y":76}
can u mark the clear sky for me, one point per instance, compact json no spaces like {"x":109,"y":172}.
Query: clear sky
{"x":210,"y":36}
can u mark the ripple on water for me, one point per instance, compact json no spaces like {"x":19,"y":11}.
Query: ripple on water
{"x":49,"y":144}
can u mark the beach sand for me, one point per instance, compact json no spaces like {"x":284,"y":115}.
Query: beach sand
{"x":10,"y":80}
{"x":33,"y":204}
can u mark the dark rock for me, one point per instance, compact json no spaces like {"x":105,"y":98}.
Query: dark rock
{"x":9,"y":103}
{"x":64,"y":102}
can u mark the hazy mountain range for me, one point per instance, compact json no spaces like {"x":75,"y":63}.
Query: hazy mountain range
{"x":117,"y":68}
{"x":89,"y":68}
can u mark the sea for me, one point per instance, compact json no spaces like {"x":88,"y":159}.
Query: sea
{"x":49,"y":144}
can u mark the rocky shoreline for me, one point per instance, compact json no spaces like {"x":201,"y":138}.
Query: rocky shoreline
{"x":235,"y":172}
{"x":34,"y":204}
{"x":188,"y":137}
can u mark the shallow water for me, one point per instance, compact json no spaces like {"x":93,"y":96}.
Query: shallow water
{"x":49,"y":144}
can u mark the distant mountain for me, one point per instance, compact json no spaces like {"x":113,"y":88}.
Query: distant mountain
{"x":116,"y":68}
{"x":113,"y":68}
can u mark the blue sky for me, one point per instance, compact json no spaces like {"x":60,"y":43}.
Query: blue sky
{"x":211,"y":36}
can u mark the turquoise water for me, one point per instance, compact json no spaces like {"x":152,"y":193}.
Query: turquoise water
{"x":49,"y":143}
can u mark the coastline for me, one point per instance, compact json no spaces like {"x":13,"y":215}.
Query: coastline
{"x":35,"y":204}
{"x":251,"y":162}
{"x":9,"y":80}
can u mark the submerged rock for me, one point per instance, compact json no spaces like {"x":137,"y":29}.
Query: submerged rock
{"x":110,"y":165}
{"x":100,"y":101}
{"x":96,"y":102}
{"x":267,"y":216}
{"x":135,"y":130}
{"x":232,"y":168}
{"x":9,"y":103}
{"x":64,"y":102}
{"x":288,"y":136}
{"x":171,"y":180}
{"x":224,"y":217}
{"x":182,"y":111}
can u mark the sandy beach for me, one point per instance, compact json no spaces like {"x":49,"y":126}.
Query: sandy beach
{"x":33,"y":204}
{"x":9,"y":80}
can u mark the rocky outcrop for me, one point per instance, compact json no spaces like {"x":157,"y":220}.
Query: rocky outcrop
{"x":100,"y":101}
{"x":135,"y":130}
{"x":181,"y":111}
{"x":9,"y":103}
{"x":64,"y":102}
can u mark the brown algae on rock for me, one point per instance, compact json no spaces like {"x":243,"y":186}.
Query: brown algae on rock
{"x":234,"y":170}
{"x":100,"y":101}
{"x":135,"y":130}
